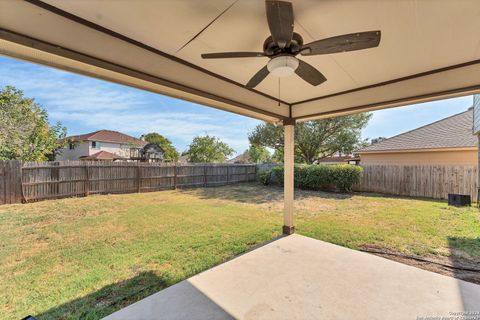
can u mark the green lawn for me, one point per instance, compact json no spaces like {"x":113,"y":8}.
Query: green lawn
{"x":87,"y":257}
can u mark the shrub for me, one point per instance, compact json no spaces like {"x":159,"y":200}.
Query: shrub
{"x":345,"y":176}
{"x":277,"y":173}
{"x":323,"y":177}
{"x":264,"y":177}
{"x":318,"y":177}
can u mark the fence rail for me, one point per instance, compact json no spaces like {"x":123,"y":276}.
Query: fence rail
{"x":33,"y":181}
{"x":431,"y":181}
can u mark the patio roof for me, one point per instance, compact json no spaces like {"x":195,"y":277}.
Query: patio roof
{"x":102,"y":155}
{"x":428,"y":50}
{"x":302,"y":278}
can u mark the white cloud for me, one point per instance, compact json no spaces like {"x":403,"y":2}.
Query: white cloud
{"x":85,"y":104}
{"x":64,"y":91}
{"x":181,"y":127}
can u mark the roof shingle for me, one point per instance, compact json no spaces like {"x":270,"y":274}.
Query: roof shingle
{"x":107,"y":136}
{"x":452,"y":132}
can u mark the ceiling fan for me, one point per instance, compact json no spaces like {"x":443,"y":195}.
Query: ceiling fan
{"x":284,"y":45}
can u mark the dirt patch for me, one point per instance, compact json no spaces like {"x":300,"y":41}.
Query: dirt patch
{"x":457,"y":267}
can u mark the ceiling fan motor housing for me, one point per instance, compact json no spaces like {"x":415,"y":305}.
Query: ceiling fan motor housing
{"x":282,"y":66}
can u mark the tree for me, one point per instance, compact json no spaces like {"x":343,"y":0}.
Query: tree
{"x":171,"y":154}
{"x":208,"y":149}
{"x":25,"y":133}
{"x":377,"y":140}
{"x":316,"y":139}
{"x":258,"y":154}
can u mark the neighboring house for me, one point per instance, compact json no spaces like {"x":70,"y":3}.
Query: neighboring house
{"x":241,"y":158}
{"x":150,"y":152}
{"x":99,"y":145}
{"x":447,"y":141}
{"x":337,"y":159}
{"x":183,"y":159}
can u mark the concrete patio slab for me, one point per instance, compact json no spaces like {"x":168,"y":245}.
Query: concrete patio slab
{"x":297,"y":277}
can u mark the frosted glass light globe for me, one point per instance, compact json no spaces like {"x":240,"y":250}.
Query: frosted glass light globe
{"x":282,"y":66}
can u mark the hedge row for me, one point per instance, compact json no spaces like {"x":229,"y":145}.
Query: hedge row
{"x":341,"y":177}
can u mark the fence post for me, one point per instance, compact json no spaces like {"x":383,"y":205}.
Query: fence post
{"x":3,"y":196}
{"x":55,"y":177}
{"x":228,"y":172}
{"x":175,"y":176}
{"x":86,"y":186}
{"x":23,"y":200}
{"x":205,"y":175}
{"x":138,"y":178}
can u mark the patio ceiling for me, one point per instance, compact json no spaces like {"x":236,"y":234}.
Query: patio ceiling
{"x":429,"y":50}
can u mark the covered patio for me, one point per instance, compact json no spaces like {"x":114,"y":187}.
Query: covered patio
{"x":428,"y":50}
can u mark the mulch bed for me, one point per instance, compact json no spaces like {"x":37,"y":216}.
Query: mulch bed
{"x":460,"y":268}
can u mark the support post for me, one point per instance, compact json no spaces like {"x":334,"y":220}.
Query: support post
{"x":288,"y":183}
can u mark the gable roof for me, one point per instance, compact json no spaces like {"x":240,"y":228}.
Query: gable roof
{"x":241,"y":158}
{"x":107,"y":136}
{"x":452,"y":132}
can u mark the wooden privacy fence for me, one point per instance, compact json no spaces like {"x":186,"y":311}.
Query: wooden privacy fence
{"x":431,"y":181}
{"x":32,"y":181}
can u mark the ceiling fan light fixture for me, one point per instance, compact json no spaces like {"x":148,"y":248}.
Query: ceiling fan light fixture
{"x":282,"y":66}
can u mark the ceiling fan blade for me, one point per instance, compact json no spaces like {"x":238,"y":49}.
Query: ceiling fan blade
{"x":343,"y":43}
{"x":280,"y":21}
{"x":223,"y":55}
{"x":309,"y":73}
{"x":257,"y":78}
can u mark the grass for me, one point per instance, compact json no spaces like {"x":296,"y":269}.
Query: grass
{"x":56,"y":252}
{"x":406,"y":225}
{"x":87,"y":257}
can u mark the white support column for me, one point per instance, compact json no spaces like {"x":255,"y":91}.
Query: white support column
{"x":288,"y":186}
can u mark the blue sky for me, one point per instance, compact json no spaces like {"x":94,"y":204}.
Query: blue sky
{"x":84,"y":104}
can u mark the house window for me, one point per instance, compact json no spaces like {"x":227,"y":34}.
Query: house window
{"x":95,"y":145}
{"x":71,"y":146}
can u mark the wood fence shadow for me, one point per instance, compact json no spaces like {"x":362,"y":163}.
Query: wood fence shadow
{"x":255,"y":193}
{"x":392,"y":196}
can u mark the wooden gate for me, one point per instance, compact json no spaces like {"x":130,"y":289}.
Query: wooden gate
{"x":10,"y":182}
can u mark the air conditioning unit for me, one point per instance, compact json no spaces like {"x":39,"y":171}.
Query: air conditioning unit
{"x":459,"y":200}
